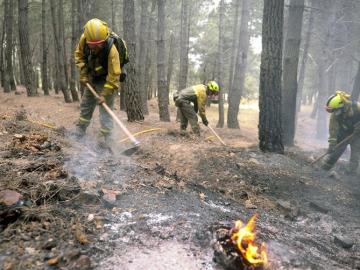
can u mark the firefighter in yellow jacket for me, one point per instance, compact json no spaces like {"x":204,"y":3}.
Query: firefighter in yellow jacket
{"x":98,"y":62}
{"x":344,"y":121}
{"x":192,"y":100}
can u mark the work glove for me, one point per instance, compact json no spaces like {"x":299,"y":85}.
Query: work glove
{"x":357,"y":129}
{"x":84,"y":81}
{"x":205,"y":121}
{"x":84,"y":77}
{"x":123,"y":76}
{"x":101,"y":100}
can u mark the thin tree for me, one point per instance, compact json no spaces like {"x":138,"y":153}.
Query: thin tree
{"x":291,"y":62}
{"x":149,"y":58}
{"x":9,"y":82}
{"x":141,"y":58}
{"x":304,"y":59}
{"x":240,"y":68}
{"x":74,"y":38}
{"x":270,"y":133}
{"x":170,"y":62}
{"x":356,"y":88}
{"x":163,"y":97}
{"x":184,"y":44}
{"x":59,"y":50}
{"x":220,"y":65}
{"x":44,"y":50}
{"x":235,"y":39}
{"x":132,"y":94}
{"x":23,"y":22}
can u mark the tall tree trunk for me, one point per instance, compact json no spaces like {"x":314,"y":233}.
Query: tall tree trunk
{"x":241,"y":63}
{"x":149,"y":59}
{"x":170,"y":62}
{"x":291,"y":62}
{"x":326,"y":60}
{"x":23,"y":23}
{"x":184,"y":44}
{"x":2,"y":66}
{"x":235,"y":40}
{"x":44,"y":65}
{"x":74,"y":37}
{"x":130,"y":86}
{"x":59,"y":50}
{"x":304,"y":60}
{"x":163,"y":97}
{"x":7,"y":27}
{"x":270,"y":133}
{"x":60,"y":11}
{"x":356,"y":88}
{"x":141,"y":59}
{"x":113,"y":16}
{"x":220,"y":72}
{"x":321,"y":99}
{"x":9,"y":82}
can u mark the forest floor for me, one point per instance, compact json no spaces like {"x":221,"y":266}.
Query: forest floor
{"x":76,"y":207}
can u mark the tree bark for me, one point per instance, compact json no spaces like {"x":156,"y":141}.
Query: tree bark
{"x":163,"y":98}
{"x":44,"y":64}
{"x":356,"y":88}
{"x":220,"y":66}
{"x":170,"y":62}
{"x":26,"y":63}
{"x":9,"y":82}
{"x":304,"y":60}
{"x":130,"y":86}
{"x":235,"y":40}
{"x":2,"y":66}
{"x":241,"y":64}
{"x":74,"y":37}
{"x":149,"y":62}
{"x":113,"y":16}
{"x":59,"y":50}
{"x":184,"y":44}
{"x":325,"y":61}
{"x":291,"y":62}
{"x":142,"y":51}
{"x":270,"y":133}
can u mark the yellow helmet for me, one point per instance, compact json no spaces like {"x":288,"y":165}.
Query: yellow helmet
{"x":96,"y":31}
{"x":337,"y":101}
{"x":213,"y":86}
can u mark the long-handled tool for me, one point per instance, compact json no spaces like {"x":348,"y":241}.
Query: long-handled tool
{"x":217,"y":136}
{"x":133,"y":140}
{"x":336,"y":148}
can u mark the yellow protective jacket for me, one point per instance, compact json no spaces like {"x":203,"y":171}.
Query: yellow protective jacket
{"x":342,"y":126}
{"x":113,"y":65}
{"x":195,"y":93}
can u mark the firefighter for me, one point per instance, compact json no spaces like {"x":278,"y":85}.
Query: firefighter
{"x":192,"y":100}
{"x":344,"y":121}
{"x":99,"y":65}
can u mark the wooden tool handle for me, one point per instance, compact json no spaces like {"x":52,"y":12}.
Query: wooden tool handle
{"x":217,"y":136}
{"x":113,"y":115}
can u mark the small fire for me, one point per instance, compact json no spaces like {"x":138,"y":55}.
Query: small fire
{"x":243,"y":237}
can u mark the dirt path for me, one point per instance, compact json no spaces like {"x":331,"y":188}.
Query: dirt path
{"x":160,"y":208}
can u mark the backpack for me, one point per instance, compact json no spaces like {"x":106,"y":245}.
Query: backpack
{"x":120,"y":46}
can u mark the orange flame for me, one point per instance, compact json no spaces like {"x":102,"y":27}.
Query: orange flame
{"x":243,"y":237}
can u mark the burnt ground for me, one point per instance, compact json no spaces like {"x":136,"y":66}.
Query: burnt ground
{"x":83,"y":208}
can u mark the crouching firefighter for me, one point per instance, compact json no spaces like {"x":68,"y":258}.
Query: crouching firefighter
{"x":99,"y":56}
{"x":344,"y":122}
{"x":192,"y":100}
